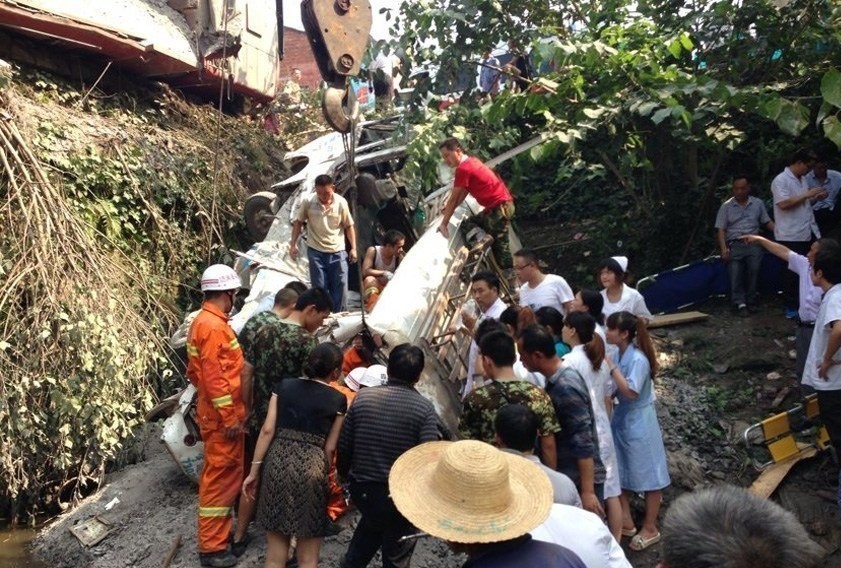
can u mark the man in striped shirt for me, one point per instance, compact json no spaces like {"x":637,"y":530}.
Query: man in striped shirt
{"x":381,"y":424}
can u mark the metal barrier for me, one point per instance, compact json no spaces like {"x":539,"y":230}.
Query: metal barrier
{"x":787,"y":434}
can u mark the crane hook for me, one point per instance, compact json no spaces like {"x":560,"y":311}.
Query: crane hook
{"x":340,"y":108}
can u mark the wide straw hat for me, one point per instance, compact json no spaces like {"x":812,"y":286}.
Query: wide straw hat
{"x":469,"y":491}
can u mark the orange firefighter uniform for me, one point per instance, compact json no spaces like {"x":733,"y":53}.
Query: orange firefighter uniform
{"x":337,"y":505}
{"x":214,"y":366}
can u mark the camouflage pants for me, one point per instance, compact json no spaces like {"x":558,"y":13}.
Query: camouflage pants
{"x":494,"y":222}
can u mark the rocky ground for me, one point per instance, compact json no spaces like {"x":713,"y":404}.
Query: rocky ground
{"x":715,"y":382}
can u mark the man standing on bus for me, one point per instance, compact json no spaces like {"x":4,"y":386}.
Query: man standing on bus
{"x":475,"y":178}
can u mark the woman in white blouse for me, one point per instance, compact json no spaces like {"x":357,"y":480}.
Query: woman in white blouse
{"x":618,"y":296}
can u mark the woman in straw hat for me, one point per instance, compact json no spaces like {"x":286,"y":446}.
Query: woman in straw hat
{"x":482,"y":501}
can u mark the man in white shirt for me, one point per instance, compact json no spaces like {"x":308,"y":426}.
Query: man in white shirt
{"x":810,"y":295}
{"x":484,"y":287}
{"x":823,"y":364}
{"x":794,"y":221}
{"x":292,"y":89}
{"x":540,"y":289}
{"x":382,"y":70}
{"x":516,"y":430}
{"x":827,"y":213}
{"x":585,"y":534}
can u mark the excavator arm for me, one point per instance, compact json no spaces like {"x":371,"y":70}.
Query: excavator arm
{"x":338,"y":31}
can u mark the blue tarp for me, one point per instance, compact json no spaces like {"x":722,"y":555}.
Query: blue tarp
{"x":693,"y":283}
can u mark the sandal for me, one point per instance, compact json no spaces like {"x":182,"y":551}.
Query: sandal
{"x":639,"y":542}
{"x":629,"y":532}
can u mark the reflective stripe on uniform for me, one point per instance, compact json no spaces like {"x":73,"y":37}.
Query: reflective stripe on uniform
{"x":192,"y":350}
{"x":234,"y":344}
{"x":224,"y":400}
{"x":214,"y":511}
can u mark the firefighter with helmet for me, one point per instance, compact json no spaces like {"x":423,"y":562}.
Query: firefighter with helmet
{"x":214,"y":366}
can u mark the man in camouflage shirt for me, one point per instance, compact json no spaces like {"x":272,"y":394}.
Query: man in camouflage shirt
{"x":284,"y":303}
{"x":497,"y":353}
{"x":275,"y":349}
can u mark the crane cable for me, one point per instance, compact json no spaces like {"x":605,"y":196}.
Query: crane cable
{"x":349,"y":143}
{"x":217,"y":144}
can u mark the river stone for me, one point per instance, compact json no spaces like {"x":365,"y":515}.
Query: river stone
{"x":685,"y":470}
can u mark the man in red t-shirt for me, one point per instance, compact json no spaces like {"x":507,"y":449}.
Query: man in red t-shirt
{"x":477,"y":179}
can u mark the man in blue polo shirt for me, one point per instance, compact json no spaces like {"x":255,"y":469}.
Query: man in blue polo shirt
{"x":741,"y":215}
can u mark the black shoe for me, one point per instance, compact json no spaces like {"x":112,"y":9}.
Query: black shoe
{"x":238,"y":548}
{"x":753,"y":308}
{"x":743,"y":311}
{"x":222,"y":559}
{"x":333,"y":528}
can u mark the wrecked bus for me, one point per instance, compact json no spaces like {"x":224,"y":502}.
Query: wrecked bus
{"x":420,"y":305}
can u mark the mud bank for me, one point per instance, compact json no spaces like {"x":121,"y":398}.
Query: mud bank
{"x":157,"y":504}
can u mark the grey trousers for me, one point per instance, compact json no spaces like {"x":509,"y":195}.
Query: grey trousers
{"x":743,"y":267}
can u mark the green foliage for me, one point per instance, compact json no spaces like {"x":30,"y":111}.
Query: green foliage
{"x":62,"y":428}
{"x":647,"y":112}
{"x":725,"y":400}
{"x":828,"y":114}
{"x":153,"y":187}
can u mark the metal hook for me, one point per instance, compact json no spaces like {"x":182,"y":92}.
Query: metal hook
{"x":340,"y":108}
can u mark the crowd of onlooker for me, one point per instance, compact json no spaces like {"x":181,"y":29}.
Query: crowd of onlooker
{"x":558,"y":431}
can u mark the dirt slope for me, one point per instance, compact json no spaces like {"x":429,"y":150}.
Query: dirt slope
{"x":157,"y":503}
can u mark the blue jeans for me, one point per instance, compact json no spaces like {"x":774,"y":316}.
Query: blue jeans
{"x":328,"y":270}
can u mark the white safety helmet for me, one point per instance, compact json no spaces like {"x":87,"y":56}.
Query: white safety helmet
{"x":373,"y":376}
{"x":219,"y":277}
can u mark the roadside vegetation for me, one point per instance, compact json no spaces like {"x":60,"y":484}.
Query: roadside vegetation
{"x":648,"y":108}
{"x":112,"y":203}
